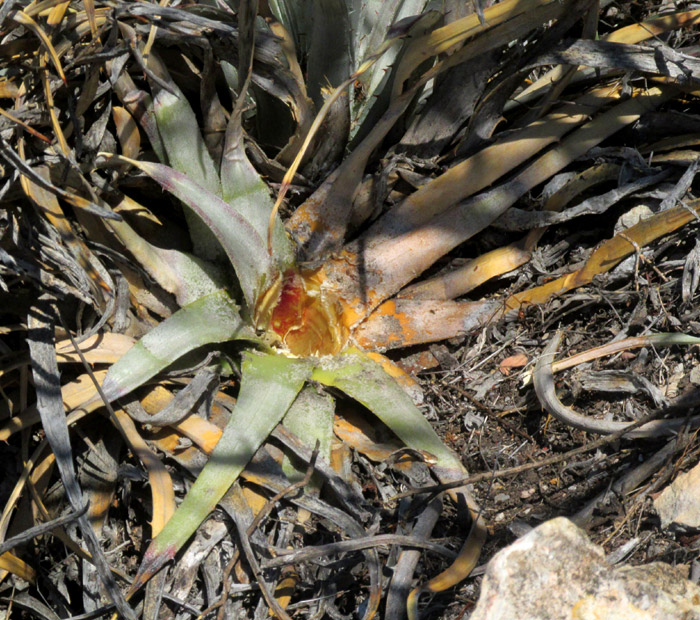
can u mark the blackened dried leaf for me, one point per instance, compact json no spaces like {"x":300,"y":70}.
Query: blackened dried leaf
{"x":47,"y":380}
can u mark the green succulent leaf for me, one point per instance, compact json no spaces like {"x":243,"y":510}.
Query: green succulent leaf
{"x":211,"y":319}
{"x":186,"y":276}
{"x":184,"y":145}
{"x":311,"y":419}
{"x":244,"y":246}
{"x":366,"y":381}
{"x":247,"y":193}
{"x":269,"y":385}
{"x":186,"y":150}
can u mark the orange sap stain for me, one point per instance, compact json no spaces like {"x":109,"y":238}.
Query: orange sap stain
{"x":305,"y":316}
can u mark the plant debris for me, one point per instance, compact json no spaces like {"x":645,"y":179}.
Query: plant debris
{"x":284,"y":290}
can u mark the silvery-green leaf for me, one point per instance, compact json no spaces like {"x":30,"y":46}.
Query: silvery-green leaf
{"x":211,"y":319}
{"x":269,"y":385}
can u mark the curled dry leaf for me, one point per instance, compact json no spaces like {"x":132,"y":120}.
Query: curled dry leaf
{"x":514,"y":361}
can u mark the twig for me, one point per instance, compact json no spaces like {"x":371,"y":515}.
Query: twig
{"x":356,"y":544}
{"x":267,"y":508}
{"x":352,"y":502}
{"x":243,"y":530}
{"x":38,"y":530}
{"x":543,"y":380}
{"x":519,"y":469}
{"x":632,"y":478}
{"x":226,"y":589}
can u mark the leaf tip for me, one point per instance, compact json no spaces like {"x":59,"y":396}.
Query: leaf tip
{"x":153,"y":560}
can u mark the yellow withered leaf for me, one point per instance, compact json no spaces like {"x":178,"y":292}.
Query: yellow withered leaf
{"x":12,"y":564}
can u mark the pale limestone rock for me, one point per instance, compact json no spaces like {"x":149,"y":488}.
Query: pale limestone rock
{"x":679,"y":503}
{"x":555,"y":573}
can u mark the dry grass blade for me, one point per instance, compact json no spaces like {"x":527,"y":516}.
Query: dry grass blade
{"x":48,"y":204}
{"x":16,"y":566}
{"x":400,"y":586}
{"x":609,"y":254}
{"x":491,"y":163}
{"x":57,"y":13}
{"x":460,"y":569}
{"x":543,"y":380}
{"x":50,"y":406}
{"x":200,"y":388}
{"x":320,"y":224}
{"x":352,"y":167}
{"x":127,"y":132}
{"x":104,"y":348}
{"x":429,"y":321}
{"x":25,"y":20}
{"x":519,"y":220}
{"x":38,"y":530}
{"x":14,"y":497}
{"x":448,"y":37}
{"x":53,"y":112}
{"x":79,"y":397}
{"x":636,"y":33}
{"x":159,"y":478}
{"x":502,"y":260}
{"x":466,"y":278}
{"x":387,"y":267}
{"x":626,"y":344}
{"x":21,"y":123}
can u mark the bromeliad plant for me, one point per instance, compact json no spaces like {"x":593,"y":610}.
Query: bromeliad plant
{"x":302,"y":322}
{"x":309,"y":301}
{"x":293,"y":326}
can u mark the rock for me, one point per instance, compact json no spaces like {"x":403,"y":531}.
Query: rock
{"x":554,"y":572}
{"x":695,"y":375}
{"x":632,"y":217}
{"x":679,"y":503}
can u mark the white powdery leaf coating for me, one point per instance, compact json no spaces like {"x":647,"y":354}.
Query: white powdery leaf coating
{"x":310,"y":418}
{"x":197,"y":278}
{"x":210,"y":319}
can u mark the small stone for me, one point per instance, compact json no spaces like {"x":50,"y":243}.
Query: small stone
{"x":633,"y":217}
{"x":554,"y":571}
{"x":679,"y":503}
{"x":501,"y":497}
{"x":695,"y":375}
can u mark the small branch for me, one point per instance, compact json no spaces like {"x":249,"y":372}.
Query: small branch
{"x":39,"y":530}
{"x":343,"y":546}
{"x":519,"y":469}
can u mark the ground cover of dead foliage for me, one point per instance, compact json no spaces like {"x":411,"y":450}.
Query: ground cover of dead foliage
{"x":615,"y":207}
